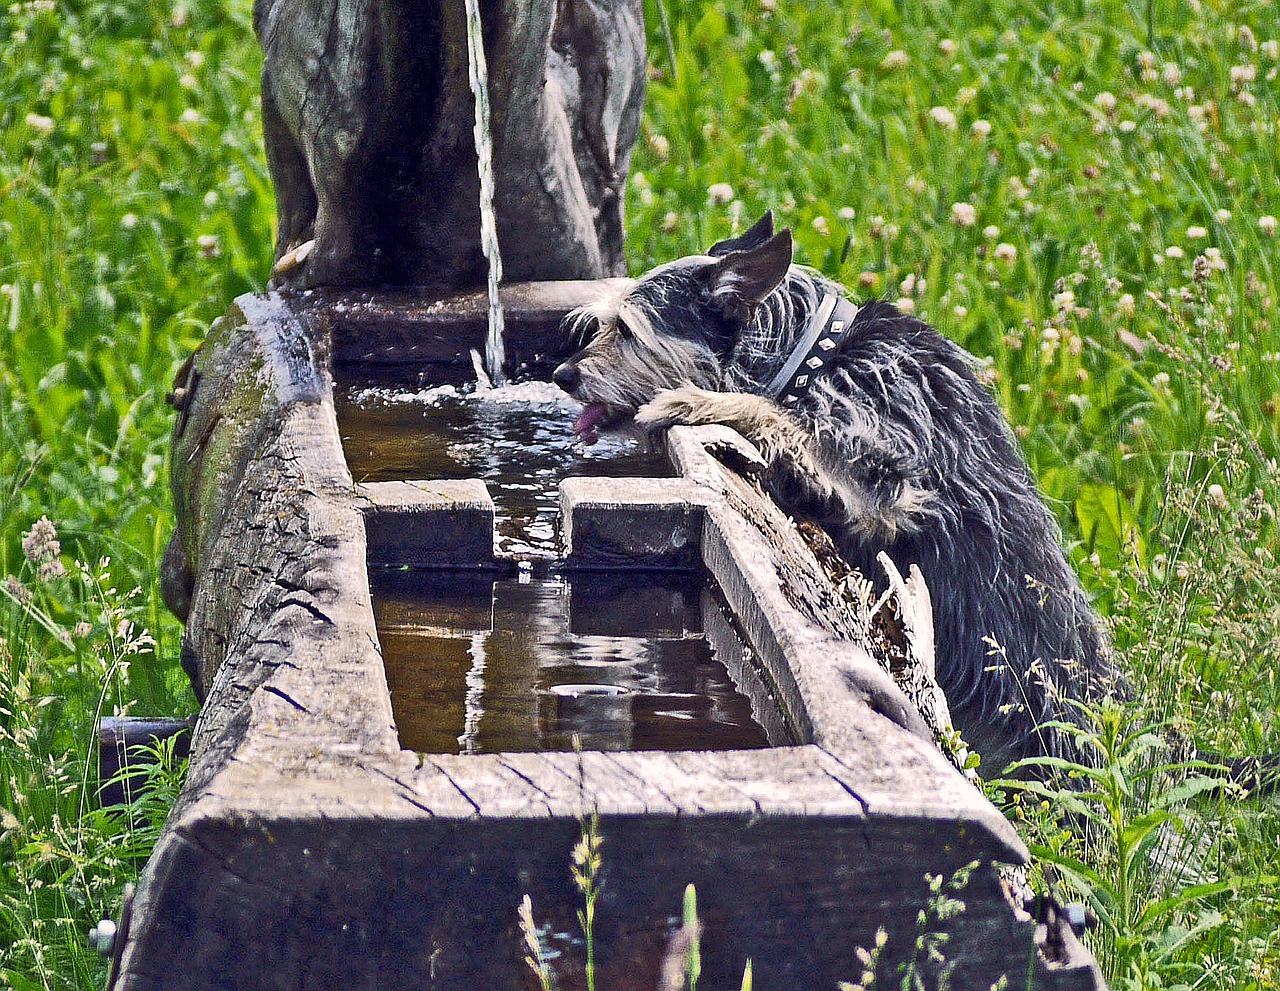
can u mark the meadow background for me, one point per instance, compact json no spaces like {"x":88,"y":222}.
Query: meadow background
{"x":1084,"y":194}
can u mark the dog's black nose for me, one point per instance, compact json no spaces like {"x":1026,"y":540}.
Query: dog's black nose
{"x":566,"y":376}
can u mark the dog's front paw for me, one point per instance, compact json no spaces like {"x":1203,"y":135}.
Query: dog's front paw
{"x":685,"y":406}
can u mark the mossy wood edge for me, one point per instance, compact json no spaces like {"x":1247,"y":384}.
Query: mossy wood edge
{"x":307,"y":850}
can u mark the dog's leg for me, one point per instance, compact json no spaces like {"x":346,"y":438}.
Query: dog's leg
{"x":784,"y":443}
{"x":861,"y":487}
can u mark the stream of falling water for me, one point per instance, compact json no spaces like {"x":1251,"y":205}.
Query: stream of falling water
{"x":479,"y":75}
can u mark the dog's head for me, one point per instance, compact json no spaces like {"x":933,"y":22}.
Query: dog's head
{"x":676,"y":325}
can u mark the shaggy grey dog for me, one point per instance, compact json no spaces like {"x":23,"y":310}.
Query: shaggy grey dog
{"x":874,"y":426}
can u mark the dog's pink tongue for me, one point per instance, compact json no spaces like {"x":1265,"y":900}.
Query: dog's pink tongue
{"x":585,"y":425}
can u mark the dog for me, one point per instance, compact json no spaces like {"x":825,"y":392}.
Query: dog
{"x":875,"y":427}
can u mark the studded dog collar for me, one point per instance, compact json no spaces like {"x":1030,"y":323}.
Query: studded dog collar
{"x":819,"y":343}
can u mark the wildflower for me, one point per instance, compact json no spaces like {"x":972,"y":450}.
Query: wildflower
{"x":846,"y":213}
{"x":208,"y":245}
{"x":1223,"y":216}
{"x":720,"y":193}
{"x":1018,"y":188}
{"x":1127,"y":127}
{"x":40,"y":543}
{"x":1090,"y":255}
{"x":1201,"y":269}
{"x":1215,"y":259}
{"x":1268,"y":225}
{"x":1247,"y":38}
{"x":966,"y":96}
{"x":195,"y":59}
{"x":876,"y":230}
{"x":1217,"y":495}
{"x":190,"y":116}
{"x":1127,"y":305}
{"x":1105,"y":101}
{"x":821,"y":225}
{"x":1160,"y":380}
{"x":1173,"y":251}
{"x":1147,"y":60}
{"x":947,"y":47}
{"x":1062,"y":302}
{"x":1271,"y":49}
{"x":896,"y":59}
{"x":671,"y":222}
{"x":1006,"y":253}
{"x":908,"y":285}
{"x":1247,"y":98}
{"x":960,"y":311}
{"x":1242,"y":75}
{"x":868,"y":280}
{"x":963,"y":214}
{"x":991,"y":232}
{"x":659,"y":145}
{"x":17,"y":590}
{"x":81,"y":630}
{"x":188,"y":81}
{"x":906,"y":305}
{"x":980,"y":128}
{"x":1172,"y":74}
{"x":943,"y":117}
{"x":99,"y":152}
{"x":40,"y":123}
{"x":1197,"y":233}
{"x":129,"y":221}
{"x":916,"y":185}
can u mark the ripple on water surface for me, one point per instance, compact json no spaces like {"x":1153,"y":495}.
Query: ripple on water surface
{"x":519,"y":439}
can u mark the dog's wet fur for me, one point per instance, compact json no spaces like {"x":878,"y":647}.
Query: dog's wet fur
{"x":897,"y":447}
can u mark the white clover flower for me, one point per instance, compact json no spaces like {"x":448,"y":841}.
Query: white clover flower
{"x":1196,"y":233}
{"x":1223,"y":215}
{"x":1127,"y":127}
{"x":129,"y":221}
{"x":720,"y":193}
{"x":821,"y":225}
{"x":659,"y":145}
{"x":846,"y":213}
{"x":1271,"y":49}
{"x":960,"y":311}
{"x":1127,"y":305}
{"x":908,"y":285}
{"x":190,"y":116}
{"x":1172,"y":74}
{"x":947,"y":47}
{"x":1006,"y":253}
{"x":963,"y":214}
{"x":906,"y":305}
{"x":1268,"y":224}
{"x":980,"y":128}
{"x":1174,"y":252}
{"x":896,"y":59}
{"x":1217,"y":495}
{"x":1105,"y":101}
{"x":966,"y":96}
{"x":40,"y":123}
{"x":943,"y":117}
{"x":991,"y":232}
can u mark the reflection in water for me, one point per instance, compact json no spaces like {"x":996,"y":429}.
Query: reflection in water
{"x":519,"y":439}
{"x":619,"y":662}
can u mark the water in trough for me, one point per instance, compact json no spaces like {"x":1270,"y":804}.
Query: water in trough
{"x":538,"y":659}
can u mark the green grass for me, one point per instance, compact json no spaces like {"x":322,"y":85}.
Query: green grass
{"x":135,"y":204}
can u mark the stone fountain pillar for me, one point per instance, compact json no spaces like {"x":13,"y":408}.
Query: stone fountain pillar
{"x":367,"y":116}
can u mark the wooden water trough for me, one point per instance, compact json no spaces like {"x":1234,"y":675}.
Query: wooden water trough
{"x":308,"y":850}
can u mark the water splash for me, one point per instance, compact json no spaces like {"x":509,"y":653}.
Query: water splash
{"x":478,"y":72}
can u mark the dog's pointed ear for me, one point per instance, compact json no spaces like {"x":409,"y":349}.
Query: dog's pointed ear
{"x":742,"y":279}
{"x":752,"y":237}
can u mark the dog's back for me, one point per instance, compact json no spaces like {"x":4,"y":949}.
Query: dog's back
{"x":1017,"y":638}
